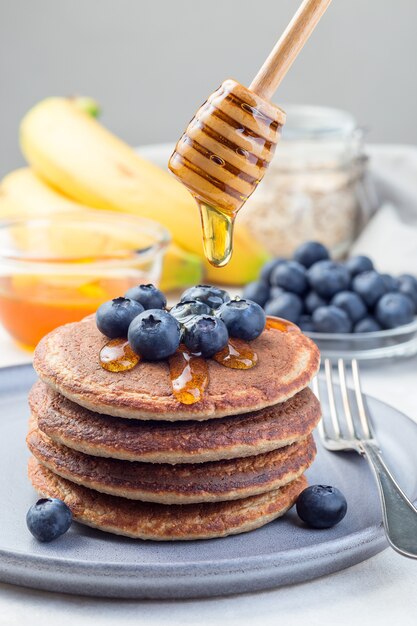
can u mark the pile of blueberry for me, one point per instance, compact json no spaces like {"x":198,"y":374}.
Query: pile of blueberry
{"x":203,"y":320}
{"x":321,"y":295}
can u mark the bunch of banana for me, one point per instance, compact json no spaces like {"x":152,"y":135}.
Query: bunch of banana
{"x":72,"y":152}
{"x":24,"y":194}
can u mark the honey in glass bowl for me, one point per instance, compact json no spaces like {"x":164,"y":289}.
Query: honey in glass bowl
{"x":58,"y":269}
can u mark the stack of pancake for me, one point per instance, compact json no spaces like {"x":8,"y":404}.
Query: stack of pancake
{"x":130,"y":459}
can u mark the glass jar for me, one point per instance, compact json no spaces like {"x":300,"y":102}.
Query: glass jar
{"x":58,"y":268}
{"x":316,"y":186}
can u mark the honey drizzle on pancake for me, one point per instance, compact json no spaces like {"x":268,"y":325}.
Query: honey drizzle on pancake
{"x":188,"y":371}
{"x":277,"y":323}
{"x":118,"y":356}
{"x":237,"y":355}
{"x":189,"y":375}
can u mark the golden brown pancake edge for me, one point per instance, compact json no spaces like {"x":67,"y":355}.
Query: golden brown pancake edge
{"x":173,"y":442}
{"x":180,"y":484}
{"x":67,"y":360}
{"x":161,"y":522}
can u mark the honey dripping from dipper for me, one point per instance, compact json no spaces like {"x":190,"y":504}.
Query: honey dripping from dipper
{"x":221,"y":158}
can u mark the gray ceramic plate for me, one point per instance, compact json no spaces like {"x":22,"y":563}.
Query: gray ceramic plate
{"x":89,"y":562}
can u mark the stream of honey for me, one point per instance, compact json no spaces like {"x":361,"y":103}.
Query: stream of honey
{"x":222,"y":156}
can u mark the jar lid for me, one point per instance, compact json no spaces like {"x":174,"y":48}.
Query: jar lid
{"x":316,"y":137}
{"x":316,"y":123}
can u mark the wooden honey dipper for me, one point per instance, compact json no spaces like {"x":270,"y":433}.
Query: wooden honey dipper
{"x":225,"y":150}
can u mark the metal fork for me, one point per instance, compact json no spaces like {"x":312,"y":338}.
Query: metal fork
{"x":354,"y":432}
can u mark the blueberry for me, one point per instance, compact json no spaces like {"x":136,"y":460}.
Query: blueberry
{"x":310,"y":252}
{"x":114,"y":317}
{"x":290,"y":276}
{"x":258,"y":292}
{"x":351,"y":303}
{"x":407,"y":285}
{"x":244,"y":319}
{"x":312,"y":301}
{"x":391,"y":283}
{"x":268,"y":268}
{"x":48,"y":519}
{"x":359,"y":264}
{"x":148,"y":295}
{"x":408,"y":278}
{"x":370,"y":286}
{"x":367,"y":325}
{"x":274,"y":292}
{"x":206,"y":335}
{"x":212,"y":296}
{"x":331,"y":319}
{"x":328,"y":278}
{"x":394,"y":309}
{"x":321,"y":506}
{"x":154,"y":334}
{"x":286,"y":305}
{"x":306,"y":324}
{"x":183,"y":311}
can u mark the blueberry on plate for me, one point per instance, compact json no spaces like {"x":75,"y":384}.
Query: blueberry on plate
{"x":206,"y":335}
{"x":331,"y":319}
{"x":244,"y":319}
{"x":367,"y":325}
{"x":257,"y":291}
{"x":290,"y":276}
{"x":359,"y":264}
{"x":154,"y":334}
{"x":184,"y":311}
{"x":286,"y":305}
{"x":407,"y":285}
{"x":310,"y":252}
{"x":212,"y":296}
{"x":351,"y":303}
{"x":48,"y":519}
{"x":148,"y":295}
{"x":394,"y":309}
{"x":114,"y":317}
{"x":370,"y":286}
{"x":321,"y":506}
{"x":268,"y":268}
{"x":391,"y":283}
{"x":306,"y":324}
{"x":312,"y":301}
{"x":328,"y":278}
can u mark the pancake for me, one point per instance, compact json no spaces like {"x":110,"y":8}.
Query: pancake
{"x":160,"y":522}
{"x":179,"y":484}
{"x":67,"y":360}
{"x":173,"y":442}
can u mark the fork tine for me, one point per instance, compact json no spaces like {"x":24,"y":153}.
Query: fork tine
{"x":332,"y":404}
{"x":363,"y":417}
{"x":321,"y":425}
{"x":345,"y":399}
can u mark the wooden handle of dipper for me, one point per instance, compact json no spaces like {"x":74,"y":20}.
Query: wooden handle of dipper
{"x":287,"y":47}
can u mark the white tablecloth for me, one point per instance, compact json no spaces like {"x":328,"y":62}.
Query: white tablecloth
{"x":380,"y":591}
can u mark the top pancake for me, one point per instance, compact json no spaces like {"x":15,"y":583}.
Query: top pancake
{"x":68,"y":360}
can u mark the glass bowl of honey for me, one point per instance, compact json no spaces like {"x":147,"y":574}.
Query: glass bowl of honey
{"x":59,"y":268}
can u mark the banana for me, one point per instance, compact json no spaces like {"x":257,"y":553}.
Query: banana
{"x":74,"y":153}
{"x":23,"y":194}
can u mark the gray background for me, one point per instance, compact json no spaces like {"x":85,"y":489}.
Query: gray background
{"x":151,"y":63}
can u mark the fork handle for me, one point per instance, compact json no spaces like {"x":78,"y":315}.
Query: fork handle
{"x":399,"y":514}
